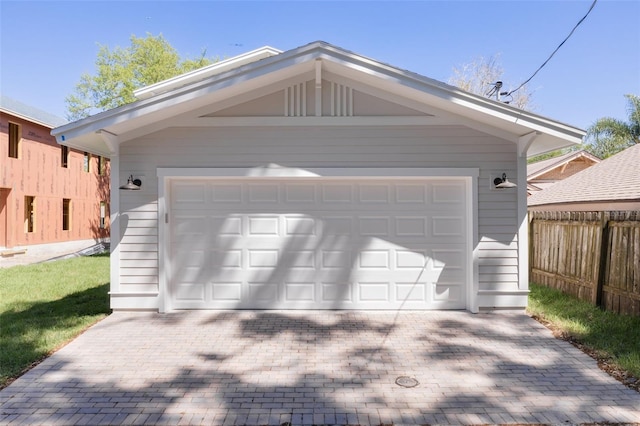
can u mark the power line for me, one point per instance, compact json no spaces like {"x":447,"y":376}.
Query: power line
{"x":557,"y":48}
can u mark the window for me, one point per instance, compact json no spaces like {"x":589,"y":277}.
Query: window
{"x":29,"y":213}
{"x":66,"y":214}
{"x":103,"y":214}
{"x":87,"y":160}
{"x":64,"y":159}
{"x":102,"y":165}
{"x":14,"y":140}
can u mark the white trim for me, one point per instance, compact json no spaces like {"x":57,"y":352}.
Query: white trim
{"x":523,"y":223}
{"x":110,"y":140}
{"x":291,"y":120}
{"x":205,"y":72}
{"x":469,"y":175}
{"x":525,"y":141}
{"x":473,"y":282}
{"x":116,"y":233}
{"x":164,"y":265}
{"x":276,"y":171}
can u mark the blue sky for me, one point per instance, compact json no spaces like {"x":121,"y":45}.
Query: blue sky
{"x":46,"y":45}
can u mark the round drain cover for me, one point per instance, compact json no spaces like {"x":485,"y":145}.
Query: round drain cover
{"x":406,"y":382}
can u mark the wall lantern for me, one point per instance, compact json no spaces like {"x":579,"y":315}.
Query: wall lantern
{"x":132,"y":184}
{"x":503,"y":182}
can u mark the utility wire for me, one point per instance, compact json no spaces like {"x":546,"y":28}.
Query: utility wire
{"x":557,"y":48}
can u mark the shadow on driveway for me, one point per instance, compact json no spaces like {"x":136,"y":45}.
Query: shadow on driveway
{"x":257,"y":367}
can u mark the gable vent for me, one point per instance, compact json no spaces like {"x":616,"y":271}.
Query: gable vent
{"x":341,"y":100}
{"x":295,"y":101}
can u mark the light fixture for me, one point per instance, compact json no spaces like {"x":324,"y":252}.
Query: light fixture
{"x":503,"y":182}
{"x":132,"y":184}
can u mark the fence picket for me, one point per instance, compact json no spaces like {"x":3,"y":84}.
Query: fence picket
{"x":592,"y":255}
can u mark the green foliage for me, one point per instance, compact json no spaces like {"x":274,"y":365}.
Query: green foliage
{"x":608,"y":136}
{"x":612,"y":336}
{"x":43,"y":306}
{"x":548,"y":155}
{"x":120,"y":71}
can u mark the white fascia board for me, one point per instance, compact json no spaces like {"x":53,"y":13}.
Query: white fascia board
{"x":205,"y":72}
{"x":448,"y":97}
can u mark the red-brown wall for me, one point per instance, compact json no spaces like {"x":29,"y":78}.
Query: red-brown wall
{"x":38,"y":172}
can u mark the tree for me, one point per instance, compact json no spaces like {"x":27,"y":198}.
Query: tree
{"x":120,"y":71}
{"x":480,"y":77}
{"x":608,"y":136}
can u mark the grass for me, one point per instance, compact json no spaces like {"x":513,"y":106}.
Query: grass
{"x":44,"y":306}
{"x":612,"y":338}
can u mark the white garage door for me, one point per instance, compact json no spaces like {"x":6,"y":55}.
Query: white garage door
{"x":318,"y":243}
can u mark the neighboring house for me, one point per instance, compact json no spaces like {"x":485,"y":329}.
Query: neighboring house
{"x":48,"y":193}
{"x":316,"y":178}
{"x":611,"y":185}
{"x":545,"y":173}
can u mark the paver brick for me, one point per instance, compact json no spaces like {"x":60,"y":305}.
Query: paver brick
{"x":259,"y":368}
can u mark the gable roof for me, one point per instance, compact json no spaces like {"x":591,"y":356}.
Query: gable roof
{"x":541,"y":167}
{"x":189,"y":95}
{"x":27,"y":112}
{"x":614,"y":179}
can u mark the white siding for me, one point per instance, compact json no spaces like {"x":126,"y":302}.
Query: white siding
{"x":434,"y":146}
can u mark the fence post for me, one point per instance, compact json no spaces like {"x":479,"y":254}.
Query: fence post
{"x":601,"y":266}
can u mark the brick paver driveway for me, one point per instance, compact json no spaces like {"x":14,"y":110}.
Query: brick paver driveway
{"x":317,"y":368}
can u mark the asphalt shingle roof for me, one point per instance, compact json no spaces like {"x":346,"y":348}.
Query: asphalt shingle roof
{"x":538,"y":166}
{"x":615,"y":179}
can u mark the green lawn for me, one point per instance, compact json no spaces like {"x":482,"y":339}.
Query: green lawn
{"x":44,"y":306}
{"x":613,"y":338}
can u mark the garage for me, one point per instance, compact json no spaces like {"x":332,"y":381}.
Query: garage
{"x":316,"y":178}
{"x":318,"y":243}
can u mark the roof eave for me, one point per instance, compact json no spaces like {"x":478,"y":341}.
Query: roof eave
{"x":552,"y":134}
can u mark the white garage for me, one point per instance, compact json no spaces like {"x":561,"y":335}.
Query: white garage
{"x":318,"y":243}
{"x":316,"y":178}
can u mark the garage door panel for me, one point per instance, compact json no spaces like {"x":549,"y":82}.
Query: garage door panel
{"x":411,"y":292}
{"x":262,"y":292}
{"x":231,"y":258}
{"x":299,"y":291}
{"x":374,"y":226}
{"x":260,"y":258}
{"x":227,"y":291}
{"x":304,"y":193}
{"x":448,"y":295}
{"x":376,"y":291}
{"x":263,"y":226}
{"x":227,"y":225}
{"x":336,"y":292}
{"x":190,"y":291}
{"x":263,"y":193}
{"x":351,"y":244}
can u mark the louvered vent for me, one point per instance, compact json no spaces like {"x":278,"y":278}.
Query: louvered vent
{"x":295,"y":101}
{"x":341,"y":100}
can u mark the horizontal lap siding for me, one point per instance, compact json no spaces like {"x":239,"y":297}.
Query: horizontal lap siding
{"x":319,"y":147}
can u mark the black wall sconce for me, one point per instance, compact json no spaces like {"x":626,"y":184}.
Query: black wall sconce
{"x":132,"y":184}
{"x":503,"y":182}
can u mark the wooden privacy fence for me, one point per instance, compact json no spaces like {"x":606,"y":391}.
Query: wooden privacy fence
{"x":592,"y":255}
